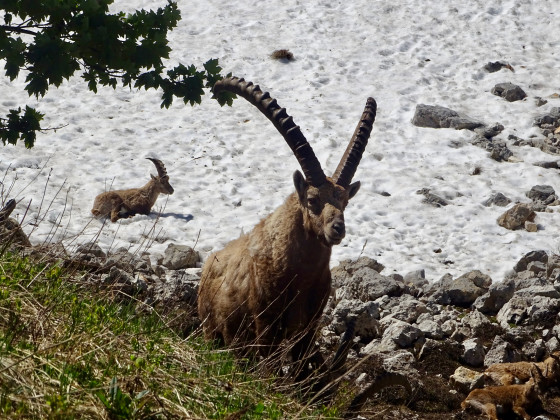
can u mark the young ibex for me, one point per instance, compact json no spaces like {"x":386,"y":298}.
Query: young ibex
{"x":519,"y":372}
{"x":273,"y":283}
{"x":121,"y":204}
{"x":516,"y":398}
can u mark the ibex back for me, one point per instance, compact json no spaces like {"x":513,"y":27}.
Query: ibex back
{"x":273,"y":283}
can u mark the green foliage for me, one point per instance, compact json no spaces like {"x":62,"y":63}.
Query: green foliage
{"x":70,"y":352}
{"x":17,"y":126}
{"x":49,"y":40}
{"x":120,"y":405}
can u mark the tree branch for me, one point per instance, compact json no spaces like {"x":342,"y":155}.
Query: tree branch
{"x":17,"y":29}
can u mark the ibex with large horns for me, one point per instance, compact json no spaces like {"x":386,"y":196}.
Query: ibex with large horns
{"x":273,"y":283}
{"x":120,"y":204}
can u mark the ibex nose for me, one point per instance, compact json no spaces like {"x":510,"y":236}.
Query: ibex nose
{"x":339,"y":228}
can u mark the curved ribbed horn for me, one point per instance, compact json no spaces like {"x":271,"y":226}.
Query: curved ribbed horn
{"x":282,"y":121}
{"x":159,"y":166}
{"x":7,"y":209}
{"x":349,"y":162}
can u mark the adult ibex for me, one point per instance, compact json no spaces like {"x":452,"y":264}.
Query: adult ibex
{"x":273,"y":283}
{"x":121,"y":204}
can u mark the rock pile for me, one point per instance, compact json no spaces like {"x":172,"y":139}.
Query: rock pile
{"x":168,"y":282}
{"x":468,"y":322}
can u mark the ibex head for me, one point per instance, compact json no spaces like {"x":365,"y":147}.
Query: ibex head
{"x":162,"y":180}
{"x":552,"y":366}
{"x":323,"y":199}
{"x":538,"y":378}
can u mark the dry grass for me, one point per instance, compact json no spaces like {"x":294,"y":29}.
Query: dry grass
{"x":66,"y":352}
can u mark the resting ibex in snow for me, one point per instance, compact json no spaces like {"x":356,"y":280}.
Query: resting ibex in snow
{"x":273,"y":283}
{"x":519,"y":372}
{"x":121,"y":204}
{"x":516,"y":398}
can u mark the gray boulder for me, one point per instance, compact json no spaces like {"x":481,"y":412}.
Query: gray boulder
{"x":91,"y":248}
{"x":513,"y":312}
{"x":125,"y":260}
{"x":509,"y":92}
{"x":541,"y":256}
{"x":552,"y":118}
{"x":494,"y":66}
{"x":449,"y":327}
{"x":431,"y":329}
{"x":120,"y":281}
{"x":526,"y":279}
{"x":497,"y":296}
{"x":465,"y":379}
{"x":498,"y":149}
{"x":441,"y":117}
{"x":462,"y":291}
{"x":547,"y":290}
{"x":180,"y":286}
{"x":367,"y":284}
{"x":409,"y":309}
{"x":177,"y":257}
{"x":542,"y":194}
{"x":473,"y":352}
{"x":344,"y":271}
{"x":399,"y":361}
{"x":489,"y":131}
{"x":365,"y":315}
{"x":401,"y":333}
{"x":543,"y":310}
{"x":416,"y":279}
{"x":497,"y":199}
{"x":534,"y":350}
{"x":478,"y":324}
{"x":552,"y":345}
{"x":432,"y":199}
{"x":554,"y":164}
{"x":501,"y":352}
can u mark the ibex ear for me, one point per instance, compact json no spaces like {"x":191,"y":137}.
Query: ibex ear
{"x":536,"y":373}
{"x":353,"y":189}
{"x":301,"y":186}
{"x":153,"y":177}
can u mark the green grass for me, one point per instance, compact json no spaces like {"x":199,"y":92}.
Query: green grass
{"x":67,"y":351}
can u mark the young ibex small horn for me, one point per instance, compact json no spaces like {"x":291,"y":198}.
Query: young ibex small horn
{"x":120,"y":204}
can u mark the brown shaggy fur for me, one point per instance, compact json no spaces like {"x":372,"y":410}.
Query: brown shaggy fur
{"x":519,"y":372}
{"x":274,"y":282}
{"x":516,"y":398}
{"x":120,"y":204}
